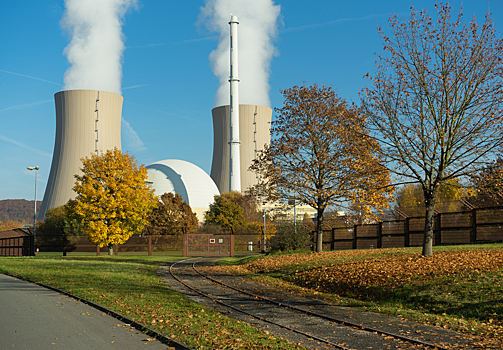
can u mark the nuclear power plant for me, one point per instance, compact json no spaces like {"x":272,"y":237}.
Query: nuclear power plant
{"x":87,"y":122}
{"x":254,"y":133}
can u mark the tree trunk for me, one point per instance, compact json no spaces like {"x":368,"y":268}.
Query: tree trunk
{"x":319,"y":230}
{"x":429,"y":224}
{"x":110,"y":249}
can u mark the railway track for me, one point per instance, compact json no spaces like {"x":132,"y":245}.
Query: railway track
{"x":312,"y":329}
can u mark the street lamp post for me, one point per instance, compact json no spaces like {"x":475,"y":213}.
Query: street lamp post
{"x":35,"y":211}
{"x":263,"y":207}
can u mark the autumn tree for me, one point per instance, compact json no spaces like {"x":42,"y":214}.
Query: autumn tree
{"x":173,"y":215}
{"x":320,"y":154}
{"x":410,"y":197}
{"x":489,"y":181}
{"x":435,"y":102}
{"x":9,"y":224}
{"x":113,"y":201}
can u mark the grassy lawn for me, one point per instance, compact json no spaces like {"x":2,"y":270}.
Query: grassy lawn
{"x":130,"y":286}
{"x":460,"y":287}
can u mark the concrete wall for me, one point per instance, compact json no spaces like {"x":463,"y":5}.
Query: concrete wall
{"x":76,"y":138}
{"x":254,"y":133}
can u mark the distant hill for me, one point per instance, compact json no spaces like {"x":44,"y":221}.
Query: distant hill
{"x":18,"y":210}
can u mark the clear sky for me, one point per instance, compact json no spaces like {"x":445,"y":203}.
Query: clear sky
{"x":168,"y":84}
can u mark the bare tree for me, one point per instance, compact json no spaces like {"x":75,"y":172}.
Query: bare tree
{"x":435,"y":103}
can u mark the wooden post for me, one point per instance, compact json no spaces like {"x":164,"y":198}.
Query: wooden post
{"x":332,"y":242}
{"x":406,"y":236}
{"x":379,"y":235}
{"x":32,"y":246}
{"x":185,"y":247}
{"x":438,"y":236}
{"x":355,"y":238}
{"x":65,"y":243}
{"x":473,"y":236}
{"x":232,"y":245}
{"x":97,"y":250}
{"x":149,"y":245}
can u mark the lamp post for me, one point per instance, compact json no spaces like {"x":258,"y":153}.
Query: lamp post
{"x":263,"y":208}
{"x":35,"y":211}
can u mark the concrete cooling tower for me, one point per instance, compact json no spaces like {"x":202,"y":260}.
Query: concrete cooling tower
{"x":254,"y":133}
{"x":87,"y":122}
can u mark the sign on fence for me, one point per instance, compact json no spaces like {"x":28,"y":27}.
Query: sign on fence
{"x":206,"y":245}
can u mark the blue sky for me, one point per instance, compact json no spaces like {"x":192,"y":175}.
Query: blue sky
{"x":168,"y":85}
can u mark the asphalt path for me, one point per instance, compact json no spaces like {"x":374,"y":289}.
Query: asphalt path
{"x":33,"y":317}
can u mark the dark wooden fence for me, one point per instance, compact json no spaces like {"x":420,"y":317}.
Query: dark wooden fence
{"x":147,"y":244}
{"x":475,"y":226}
{"x":16,"y":246}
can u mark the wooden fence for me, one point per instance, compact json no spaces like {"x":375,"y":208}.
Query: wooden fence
{"x":475,"y":226}
{"x":147,"y":244}
{"x":16,"y":246}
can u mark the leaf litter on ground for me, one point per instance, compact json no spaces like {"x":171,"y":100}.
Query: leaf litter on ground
{"x":456,"y":288}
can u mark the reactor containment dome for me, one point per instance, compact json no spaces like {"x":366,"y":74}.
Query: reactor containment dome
{"x":188,"y":180}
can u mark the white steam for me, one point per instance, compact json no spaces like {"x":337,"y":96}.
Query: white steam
{"x":96,"y":47}
{"x":258,"y":27}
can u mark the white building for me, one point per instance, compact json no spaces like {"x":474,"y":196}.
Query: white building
{"x":188,"y":180}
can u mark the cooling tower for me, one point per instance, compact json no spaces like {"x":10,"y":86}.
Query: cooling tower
{"x":86,"y":121}
{"x":254,"y":133}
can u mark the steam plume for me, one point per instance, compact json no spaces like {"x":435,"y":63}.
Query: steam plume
{"x":96,"y":47}
{"x":258,"y":26}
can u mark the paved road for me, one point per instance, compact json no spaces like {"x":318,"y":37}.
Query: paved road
{"x":33,"y":317}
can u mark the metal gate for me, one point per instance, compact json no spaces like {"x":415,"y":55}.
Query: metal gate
{"x":208,"y":245}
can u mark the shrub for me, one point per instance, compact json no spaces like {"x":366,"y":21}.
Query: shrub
{"x":286,"y":239}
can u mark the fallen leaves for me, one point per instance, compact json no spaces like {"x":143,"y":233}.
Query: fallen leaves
{"x":460,"y":289}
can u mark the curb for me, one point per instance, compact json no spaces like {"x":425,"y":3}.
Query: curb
{"x":142,"y":328}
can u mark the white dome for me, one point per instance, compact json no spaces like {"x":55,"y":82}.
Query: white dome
{"x":188,"y":180}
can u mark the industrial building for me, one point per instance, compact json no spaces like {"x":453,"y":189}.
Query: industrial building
{"x":188,"y":180}
{"x":87,"y":122}
{"x":254,"y":133}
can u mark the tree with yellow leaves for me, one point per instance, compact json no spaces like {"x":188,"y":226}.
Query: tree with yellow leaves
{"x":9,"y":224}
{"x":410,"y":197}
{"x":320,"y":153}
{"x":488,"y":181}
{"x":113,"y":200}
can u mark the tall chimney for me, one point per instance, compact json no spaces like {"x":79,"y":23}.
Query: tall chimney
{"x":235,"y":172}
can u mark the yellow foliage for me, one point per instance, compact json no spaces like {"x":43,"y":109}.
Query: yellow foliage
{"x":9,"y":225}
{"x":113,"y":199}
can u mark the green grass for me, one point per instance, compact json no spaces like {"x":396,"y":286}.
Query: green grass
{"x":129,"y":285}
{"x":471,"y":301}
{"x":238,"y":260}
